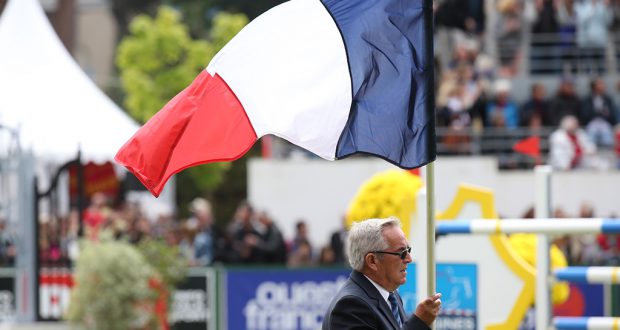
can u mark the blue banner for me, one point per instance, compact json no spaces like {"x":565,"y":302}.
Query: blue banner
{"x":278,"y":299}
{"x":458,"y":286}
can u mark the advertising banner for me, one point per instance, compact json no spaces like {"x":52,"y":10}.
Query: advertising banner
{"x":7,"y":296}
{"x":54,"y":292}
{"x":193,"y":305}
{"x":458,"y":285}
{"x":280,"y":299}
{"x":583,"y":300}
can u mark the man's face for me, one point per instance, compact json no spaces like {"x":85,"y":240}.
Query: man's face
{"x":567,"y":89}
{"x":599,"y":87}
{"x":539,"y":92}
{"x":392,"y":271}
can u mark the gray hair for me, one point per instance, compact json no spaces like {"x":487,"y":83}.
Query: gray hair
{"x":367,"y":236}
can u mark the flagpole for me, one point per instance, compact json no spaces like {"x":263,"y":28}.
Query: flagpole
{"x":430,"y":231}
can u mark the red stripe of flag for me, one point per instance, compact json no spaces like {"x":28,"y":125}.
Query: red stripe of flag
{"x":204,"y":123}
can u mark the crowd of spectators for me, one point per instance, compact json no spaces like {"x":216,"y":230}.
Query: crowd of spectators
{"x":588,"y":249}
{"x":250,"y":237}
{"x":475,"y":91}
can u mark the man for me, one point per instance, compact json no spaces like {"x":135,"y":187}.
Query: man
{"x":598,"y":114}
{"x":535,"y":111}
{"x":566,"y":102}
{"x":378,"y":253}
{"x":206,"y":241}
{"x":271,"y":243}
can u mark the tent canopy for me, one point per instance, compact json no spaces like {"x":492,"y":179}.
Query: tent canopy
{"x":47,"y":98}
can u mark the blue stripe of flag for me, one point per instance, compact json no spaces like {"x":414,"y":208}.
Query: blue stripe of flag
{"x":389,"y":46}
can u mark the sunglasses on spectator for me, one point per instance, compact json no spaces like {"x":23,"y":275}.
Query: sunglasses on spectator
{"x":402,"y":253}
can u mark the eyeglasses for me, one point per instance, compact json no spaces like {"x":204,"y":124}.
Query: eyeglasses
{"x":402,"y":254}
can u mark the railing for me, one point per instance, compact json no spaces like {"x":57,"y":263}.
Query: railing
{"x":558,"y":53}
{"x":490,"y":141}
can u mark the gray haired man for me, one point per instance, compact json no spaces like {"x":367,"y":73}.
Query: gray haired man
{"x":379,"y":253}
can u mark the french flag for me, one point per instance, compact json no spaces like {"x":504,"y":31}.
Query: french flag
{"x":335,"y":77}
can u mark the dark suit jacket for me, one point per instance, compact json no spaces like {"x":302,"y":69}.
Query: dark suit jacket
{"x":588,"y":112}
{"x":359,"y":305}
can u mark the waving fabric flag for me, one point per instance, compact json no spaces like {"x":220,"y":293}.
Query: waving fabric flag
{"x":334,"y":77}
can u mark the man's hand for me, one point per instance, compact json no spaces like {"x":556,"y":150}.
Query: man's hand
{"x":428,"y":309}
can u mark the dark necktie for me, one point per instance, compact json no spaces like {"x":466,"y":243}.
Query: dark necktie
{"x":394,"y":307}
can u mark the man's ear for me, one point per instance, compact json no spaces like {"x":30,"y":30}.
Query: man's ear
{"x":371,"y":261}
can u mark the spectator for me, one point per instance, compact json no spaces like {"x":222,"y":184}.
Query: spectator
{"x":271,"y":245}
{"x":544,"y":55}
{"x":617,"y":149}
{"x":50,"y":250}
{"x":473,"y":90}
{"x":615,"y":23}
{"x":593,"y":20}
{"x":69,"y":242}
{"x":591,"y":252}
{"x":568,"y":244}
{"x":598,"y":114}
{"x":466,"y":15}
{"x":327,"y":257}
{"x":609,"y":245}
{"x":301,"y":256}
{"x":567,"y":23}
{"x":502,"y":111}
{"x":569,"y":145}
{"x":535,"y":112}
{"x":565,"y":102}
{"x":187,"y":248}
{"x":139,"y":229}
{"x":7,"y":245}
{"x":205,"y":240}
{"x":461,"y":55}
{"x":243,"y":213}
{"x":96,"y":215}
{"x":546,"y":17}
{"x":509,"y":35}
{"x":456,"y":21}
{"x":300,"y":248}
{"x":455,"y":114}
{"x":245,"y":238}
{"x":337,"y":243}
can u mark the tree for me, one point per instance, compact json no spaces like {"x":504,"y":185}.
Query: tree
{"x":112,"y":287}
{"x":158,"y":59}
{"x":199,"y":14}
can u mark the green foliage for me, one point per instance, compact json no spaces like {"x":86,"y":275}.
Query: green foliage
{"x":199,"y":14}
{"x":165,"y":260}
{"x":113,"y":277}
{"x":225,"y":26}
{"x":158,"y":59}
{"x":112,"y":288}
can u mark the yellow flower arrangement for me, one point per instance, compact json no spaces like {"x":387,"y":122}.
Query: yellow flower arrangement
{"x":525,"y":246}
{"x":390,"y":193}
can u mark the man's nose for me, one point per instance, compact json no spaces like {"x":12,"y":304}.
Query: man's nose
{"x":408,"y":258}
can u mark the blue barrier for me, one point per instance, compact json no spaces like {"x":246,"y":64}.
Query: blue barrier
{"x":537,"y":226}
{"x":586,"y":323}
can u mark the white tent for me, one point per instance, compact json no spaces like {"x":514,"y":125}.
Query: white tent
{"x":55,"y":107}
{"x":46,"y":96}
